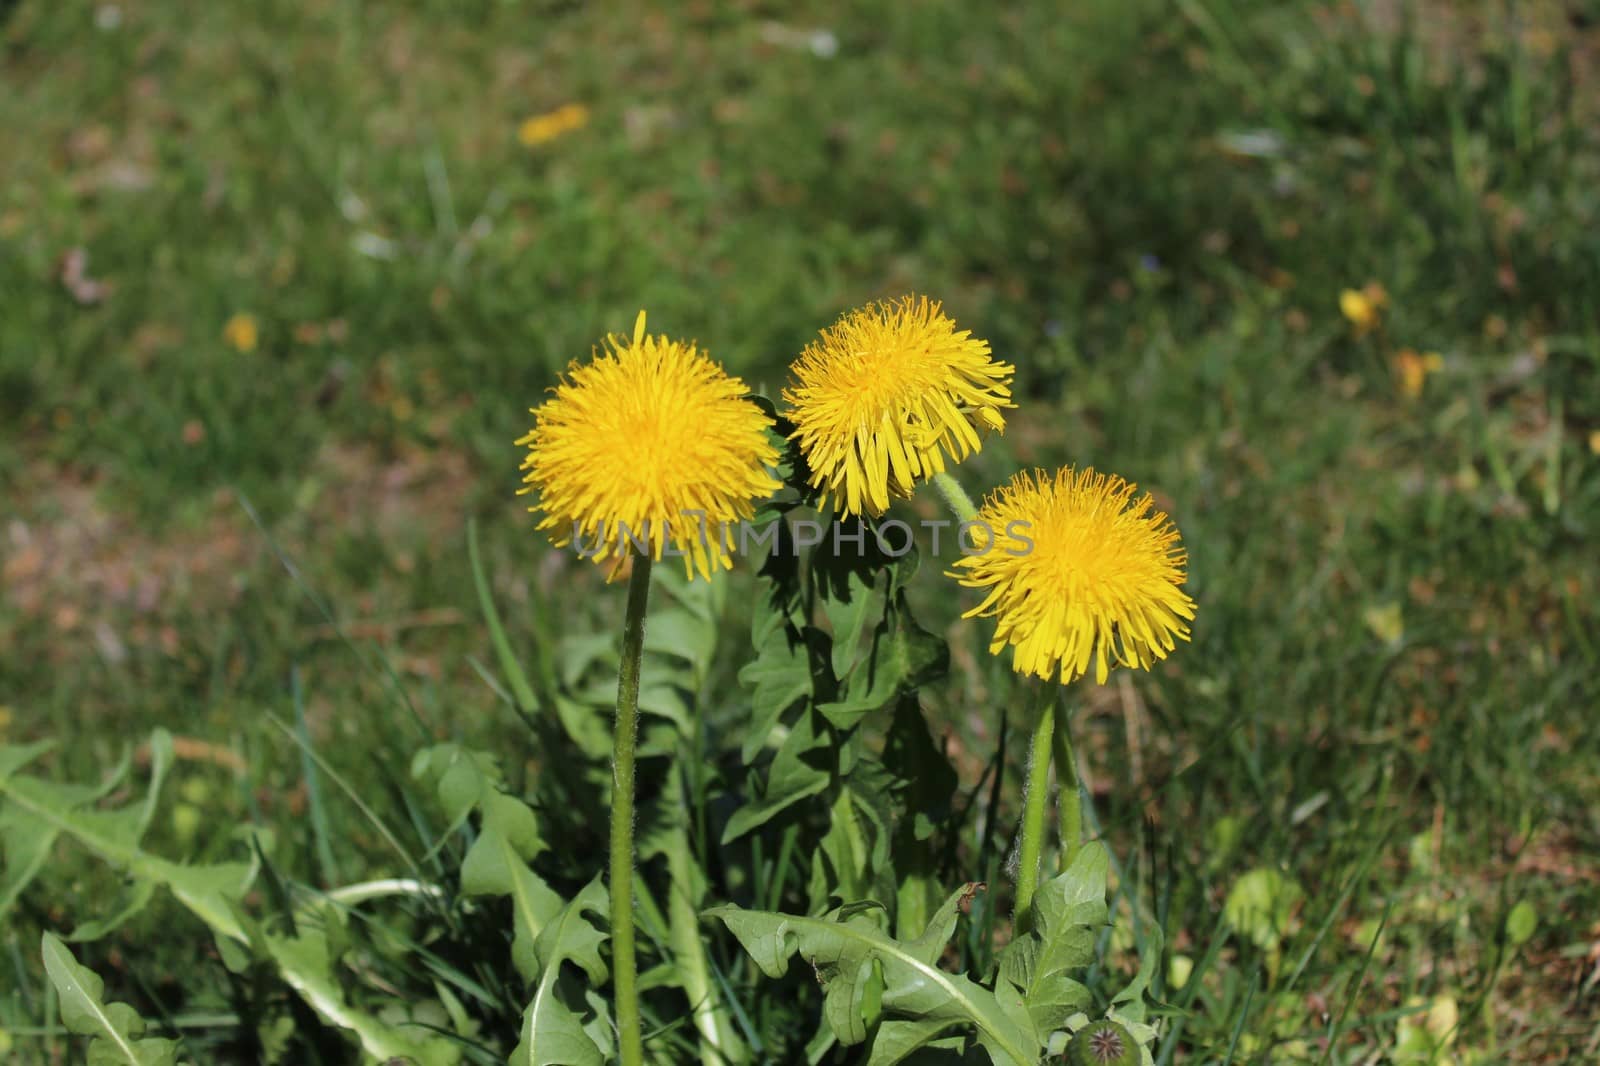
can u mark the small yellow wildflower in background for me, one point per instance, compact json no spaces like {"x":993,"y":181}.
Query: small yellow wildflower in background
{"x":552,"y":124}
{"x":649,"y":433}
{"x":1364,"y":306}
{"x":1594,"y":442}
{"x":240,"y":332}
{"x":1078,"y":570}
{"x":883,"y":396}
{"x":1413,"y":370}
{"x":1386,"y":621}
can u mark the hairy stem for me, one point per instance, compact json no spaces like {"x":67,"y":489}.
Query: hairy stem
{"x":1035,"y":800}
{"x":625,"y":968}
{"x":955,"y":497}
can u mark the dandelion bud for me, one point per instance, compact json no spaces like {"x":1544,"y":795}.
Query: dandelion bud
{"x":1103,"y":1043}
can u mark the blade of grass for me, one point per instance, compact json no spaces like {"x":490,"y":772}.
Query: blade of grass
{"x":1337,"y":1025}
{"x":385,"y":670}
{"x":354,"y":796}
{"x":510,"y":667}
{"x":1244,"y":1013}
{"x":327,"y":865}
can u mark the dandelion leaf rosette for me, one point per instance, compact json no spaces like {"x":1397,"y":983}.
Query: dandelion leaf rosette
{"x":877,"y":988}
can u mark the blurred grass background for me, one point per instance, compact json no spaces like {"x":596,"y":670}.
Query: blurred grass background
{"x":312,"y":261}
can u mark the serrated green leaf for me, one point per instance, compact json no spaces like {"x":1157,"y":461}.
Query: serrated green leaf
{"x":1068,"y":913}
{"x":779,"y":571}
{"x":853,"y":860}
{"x":552,"y":1032}
{"x":896,"y":1040}
{"x":116,"y":1028}
{"x":585,"y":724}
{"x":306,"y":964}
{"x":850,"y":952}
{"x":902,"y":657}
{"x":160,"y":763}
{"x":784,"y":672}
{"x":924,"y":785}
{"x":797,"y":771}
{"x":208,"y":891}
{"x":212,"y":893}
{"x":844,"y":584}
{"x":508,"y":839}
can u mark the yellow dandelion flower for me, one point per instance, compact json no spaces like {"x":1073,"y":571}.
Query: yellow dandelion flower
{"x":1413,"y":369}
{"x":552,"y":124}
{"x":241,"y":333}
{"x":1077,"y":569}
{"x":1361,"y":310}
{"x":648,"y":443}
{"x":883,"y":396}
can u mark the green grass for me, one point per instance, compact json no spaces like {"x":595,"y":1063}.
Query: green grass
{"x":1149,"y":207}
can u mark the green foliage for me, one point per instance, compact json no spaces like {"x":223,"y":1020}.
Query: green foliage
{"x":1260,"y":906}
{"x":892,"y":995}
{"x":116,"y":1029}
{"x":306,"y":964}
{"x":1149,"y":207}
{"x":1069,"y":912}
{"x":212,"y":892}
{"x":552,"y":1032}
{"x":507,"y":840}
{"x":868,"y":978}
{"x":1521,"y":922}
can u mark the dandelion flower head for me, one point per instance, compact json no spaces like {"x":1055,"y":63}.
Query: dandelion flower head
{"x":1364,"y":306}
{"x":241,"y":333}
{"x":881,"y":399}
{"x":552,"y":124}
{"x":648,"y":443}
{"x":1077,"y":570}
{"x":1413,"y":370}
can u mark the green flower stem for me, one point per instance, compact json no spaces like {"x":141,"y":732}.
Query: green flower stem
{"x":625,"y":968}
{"x":1069,"y":803}
{"x":1035,"y":800}
{"x":954,"y":496}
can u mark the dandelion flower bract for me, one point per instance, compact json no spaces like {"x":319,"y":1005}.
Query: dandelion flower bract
{"x":882,"y":397}
{"x":649,"y":442}
{"x":1077,"y":570}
